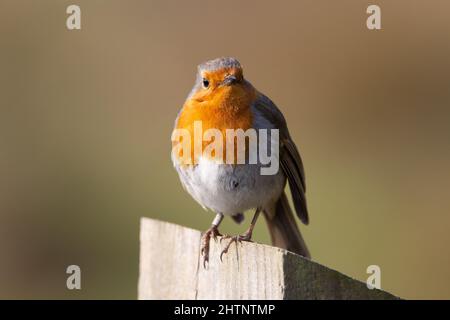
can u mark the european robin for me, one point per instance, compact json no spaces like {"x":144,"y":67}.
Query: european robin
{"x":223,"y":99}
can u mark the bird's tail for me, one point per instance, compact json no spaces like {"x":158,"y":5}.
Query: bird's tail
{"x":283,"y":228}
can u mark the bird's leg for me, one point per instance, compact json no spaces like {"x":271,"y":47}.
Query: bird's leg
{"x":213,"y":232}
{"x":246,"y":236}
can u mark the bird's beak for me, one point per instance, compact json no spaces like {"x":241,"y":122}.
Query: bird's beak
{"x":229,"y":80}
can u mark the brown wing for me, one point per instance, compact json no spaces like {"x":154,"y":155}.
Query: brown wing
{"x":291,"y":162}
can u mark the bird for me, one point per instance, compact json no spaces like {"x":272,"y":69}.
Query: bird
{"x":222,"y":99}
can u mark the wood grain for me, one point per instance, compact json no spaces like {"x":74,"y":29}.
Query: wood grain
{"x":171,"y":268}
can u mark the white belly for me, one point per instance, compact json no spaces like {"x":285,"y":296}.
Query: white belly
{"x":231,"y":189}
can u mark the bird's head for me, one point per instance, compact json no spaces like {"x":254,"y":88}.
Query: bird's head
{"x":221,"y":99}
{"x":218,"y":80}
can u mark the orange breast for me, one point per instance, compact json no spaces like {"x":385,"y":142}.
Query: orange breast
{"x":225,"y":108}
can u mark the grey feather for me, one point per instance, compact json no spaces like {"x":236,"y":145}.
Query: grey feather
{"x":290,"y":159}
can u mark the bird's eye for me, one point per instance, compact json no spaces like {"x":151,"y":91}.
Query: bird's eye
{"x":205,"y":83}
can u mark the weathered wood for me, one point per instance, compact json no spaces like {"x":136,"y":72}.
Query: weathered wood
{"x":171,"y":268}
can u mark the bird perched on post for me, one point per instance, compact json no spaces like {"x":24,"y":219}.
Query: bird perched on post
{"x":222,"y":99}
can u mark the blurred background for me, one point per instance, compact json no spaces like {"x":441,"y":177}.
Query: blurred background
{"x":86,"y":118}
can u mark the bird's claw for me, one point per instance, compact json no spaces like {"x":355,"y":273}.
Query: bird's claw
{"x":206,"y":238}
{"x":235,"y":239}
{"x":225,"y":236}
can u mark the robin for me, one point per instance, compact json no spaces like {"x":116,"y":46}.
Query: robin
{"x":222,"y":99}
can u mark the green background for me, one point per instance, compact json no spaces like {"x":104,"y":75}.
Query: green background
{"x":86,"y":118}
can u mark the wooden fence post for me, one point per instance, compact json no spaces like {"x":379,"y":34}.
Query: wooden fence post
{"x":171,"y":268}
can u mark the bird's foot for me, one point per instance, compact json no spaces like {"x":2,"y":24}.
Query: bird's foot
{"x":235,"y":239}
{"x":212,"y":232}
